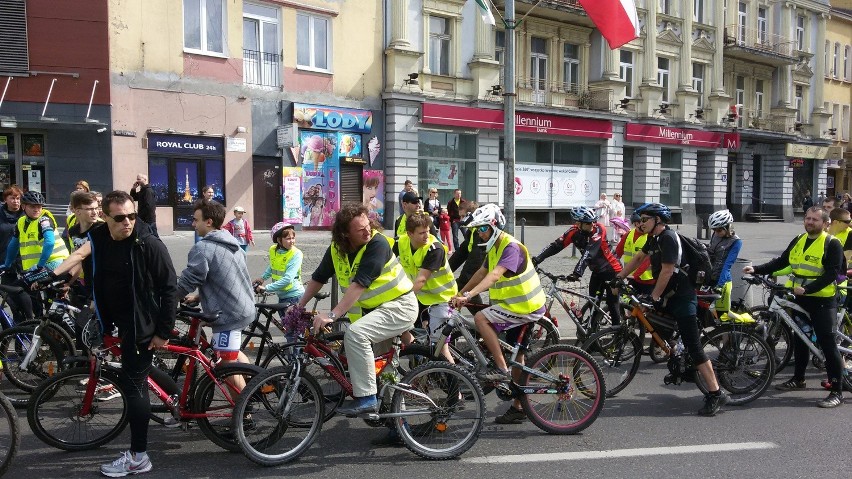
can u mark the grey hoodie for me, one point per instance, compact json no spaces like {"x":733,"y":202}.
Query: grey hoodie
{"x":216,"y":265}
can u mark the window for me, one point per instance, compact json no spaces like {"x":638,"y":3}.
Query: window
{"x":204,"y":26}
{"x":844,"y":124}
{"x":758,"y":99}
{"x":834,"y":71}
{"x":846,"y":72}
{"x":439,"y":45}
{"x":698,"y":82}
{"x":800,"y":33}
{"x":14,"y":55}
{"x":626,"y":71}
{"x":313,"y":45}
{"x":761,"y":25}
{"x":500,"y":51}
{"x":742,"y":21}
{"x":627,"y":179}
{"x":740,"y":99}
{"x":571,"y":68}
{"x":799,"y":104}
{"x":663,"y":76}
{"x":538,"y":68}
{"x":825,"y":59}
{"x":451,"y":159}
{"x":666,"y":7}
{"x":670,"y":175}
{"x":835,"y":116}
{"x":261,"y":60}
{"x":698,"y":11}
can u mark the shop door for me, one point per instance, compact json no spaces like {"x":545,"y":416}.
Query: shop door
{"x":267,"y":186}
{"x":831,"y":185}
{"x":757,"y":190}
{"x":803,"y":180}
{"x":351,"y":177}
{"x":732,"y":178}
{"x":187,"y":191}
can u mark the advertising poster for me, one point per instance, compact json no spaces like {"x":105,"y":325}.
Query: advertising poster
{"x":34,"y":180}
{"x":548,"y":186}
{"x":374,"y":194}
{"x":292,"y":208}
{"x":4,"y":148}
{"x":320,"y":183}
{"x":348,"y":145}
{"x":665,"y":182}
{"x":5,"y":173}
{"x":443,"y":175}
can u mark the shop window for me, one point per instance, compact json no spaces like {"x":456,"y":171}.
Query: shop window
{"x":576,"y":154}
{"x":627,"y":176}
{"x":670,"y":177}
{"x":532,"y":151}
{"x":447,"y":161}
{"x":204,"y":26}
{"x":14,"y":54}
{"x":7,"y":161}
{"x":179,"y":181}
{"x":313,"y":45}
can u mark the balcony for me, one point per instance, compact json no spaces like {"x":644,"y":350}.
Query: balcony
{"x":764,"y":121}
{"x":753,"y":45}
{"x":260,"y":68}
{"x":533,"y":91}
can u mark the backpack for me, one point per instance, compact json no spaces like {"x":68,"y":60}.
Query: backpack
{"x":694,"y":260}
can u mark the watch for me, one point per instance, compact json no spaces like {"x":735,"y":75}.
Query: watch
{"x":331,"y":315}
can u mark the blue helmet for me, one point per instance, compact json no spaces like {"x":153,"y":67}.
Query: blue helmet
{"x":583,"y":214}
{"x":656,"y":209}
{"x":635,"y":217}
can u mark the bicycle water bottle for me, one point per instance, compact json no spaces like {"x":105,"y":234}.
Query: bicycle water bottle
{"x":575,"y":309}
{"x":806,"y":328}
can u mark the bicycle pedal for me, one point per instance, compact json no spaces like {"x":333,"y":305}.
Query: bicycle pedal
{"x":370,"y":416}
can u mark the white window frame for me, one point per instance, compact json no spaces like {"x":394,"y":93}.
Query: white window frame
{"x":698,"y":81}
{"x":500,"y":51}
{"x":800,"y":33}
{"x":799,"y":104}
{"x":269,"y":73}
{"x":759,"y":85}
{"x":742,"y":21}
{"x":698,"y":11}
{"x":844,"y":124}
{"x":664,"y":76}
{"x":202,"y":15}
{"x":847,"y":74}
{"x":665,"y":7}
{"x":835,"y":63}
{"x":570,"y":64}
{"x":312,"y":17}
{"x":448,"y":37}
{"x":762,"y":25}
{"x":626,"y":69}
{"x":825,"y":58}
{"x":739,"y":97}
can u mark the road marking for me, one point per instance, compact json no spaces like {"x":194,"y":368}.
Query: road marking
{"x":618,"y":453}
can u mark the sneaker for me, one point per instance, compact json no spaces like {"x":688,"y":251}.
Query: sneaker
{"x":359,"y":406}
{"x":713,"y":403}
{"x":107,"y":392}
{"x":494,"y":375}
{"x":834,"y":399}
{"x":511,"y":416}
{"x":171,"y":422}
{"x":791,"y":384}
{"x":125,"y":465}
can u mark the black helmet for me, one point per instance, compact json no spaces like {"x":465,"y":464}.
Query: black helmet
{"x":656,"y":209}
{"x":32,"y":198}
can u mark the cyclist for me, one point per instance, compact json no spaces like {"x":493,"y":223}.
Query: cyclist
{"x":674,"y":294}
{"x":590,"y":237}
{"x":411,"y":204}
{"x":285,"y":265}
{"x":470,"y":254}
{"x":816,"y":259}
{"x":724,"y":249}
{"x":516,"y":295}
{"x":86,"y":210}
{"x":375,"y":285}
{"x":642,"y":279}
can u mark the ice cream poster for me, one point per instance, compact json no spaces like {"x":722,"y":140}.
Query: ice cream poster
{"x":374,"y":194}
{"x":292,"y":183}
{"x":349,"y":145}
{"x":320,"y":178}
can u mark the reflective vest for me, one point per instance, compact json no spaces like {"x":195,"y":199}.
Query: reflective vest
{"x":441,"y":285}
{"x":400,"y":230}
{"x":278,"y":259}
{"x":631,"y":247}
{"x":31,"y":244}
{"x":521,"y":294}
{"x":842,"y":236}
{"x":391,"y":283}
{"x":807,"y":265}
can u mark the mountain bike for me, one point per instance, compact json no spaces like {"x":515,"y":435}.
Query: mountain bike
{"x":10,"y":431}
{"x":589,"y":313}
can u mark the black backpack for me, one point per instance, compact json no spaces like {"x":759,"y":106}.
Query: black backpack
{"x":695,"y":260}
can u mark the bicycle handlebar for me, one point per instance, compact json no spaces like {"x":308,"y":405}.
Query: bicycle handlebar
{"x":560,"y":277}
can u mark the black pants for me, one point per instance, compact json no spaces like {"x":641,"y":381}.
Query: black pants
{"x":135,"y":366}
{"x":684,"y":309}
{"x":823,"y":313}
{"x":599,"y":281}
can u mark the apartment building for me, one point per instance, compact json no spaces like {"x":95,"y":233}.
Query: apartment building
{"x":838,"y":97}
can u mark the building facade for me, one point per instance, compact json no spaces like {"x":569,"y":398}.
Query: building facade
{"x":838,"y":97}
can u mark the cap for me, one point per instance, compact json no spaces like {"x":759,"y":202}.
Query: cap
{"x":410,"y":197}
{"x":239,"y":209}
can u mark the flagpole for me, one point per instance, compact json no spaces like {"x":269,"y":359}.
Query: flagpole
{"x":509,"y":98}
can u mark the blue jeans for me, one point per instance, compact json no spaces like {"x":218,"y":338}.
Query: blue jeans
{"x":455,"y":233}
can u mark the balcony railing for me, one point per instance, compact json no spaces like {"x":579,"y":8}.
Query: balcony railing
{"x":534,"y":91}
{"x":755,"y":120}
{"x":758,"y":41}
{"x":261,"y":68}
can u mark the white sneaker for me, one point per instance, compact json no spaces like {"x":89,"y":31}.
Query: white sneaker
{"x":107,"y":392}
{"x":125,"y":465}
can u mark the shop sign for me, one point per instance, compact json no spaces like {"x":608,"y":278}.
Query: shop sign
{"x":237,"y":144}
{"x":797,"y":162}
{"x":807,"y":151}
{"x":832,"y":163}
{"x":185,"y":145}
{"x":330,"y":118}
{"x":525,"y":122}
{"x":681,"y":136}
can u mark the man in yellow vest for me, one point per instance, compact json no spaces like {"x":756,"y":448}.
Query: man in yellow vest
{"x":816,"y":260}
{"x":411,"y":204}
{"x":642,"y":279}
{"x":373,"y":281}
{"x":516,"y":295}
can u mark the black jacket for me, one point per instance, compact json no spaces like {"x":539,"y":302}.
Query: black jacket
{"x":147,"y":203}
{"x":472,"y":256}
{"x":8,"y":223}
{"x":154,"y":283}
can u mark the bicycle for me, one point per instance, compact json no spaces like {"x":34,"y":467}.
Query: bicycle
{"x":588,"y":318}
{"x":561,"y":388}
{"x":420,"y":404}
{"x":65,"y":413}
{"x":10,"y":431}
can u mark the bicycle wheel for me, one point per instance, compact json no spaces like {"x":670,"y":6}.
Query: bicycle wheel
{"x":275,"y":422}
{"x":444,"y":407}
{"x":56,"y":332}
{"x":10,"y":433}
{"x":216,"y":400}
{"x":618,"y":354}
{"x":567,"y":392}
{"x":543,"y":334}
{"x":55,"y":417}
{"x":744,"y":364}
{"x":778,"y":335}
{"x":15,"y":343}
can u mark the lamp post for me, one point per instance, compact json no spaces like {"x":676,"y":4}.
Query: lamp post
{"x":509,"y":96}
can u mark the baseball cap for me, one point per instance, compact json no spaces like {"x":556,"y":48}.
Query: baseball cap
{"x":239,"y":209}
{"x":410,"y":197}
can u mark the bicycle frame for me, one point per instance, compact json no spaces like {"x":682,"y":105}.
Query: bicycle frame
{"x":36,"y":341}
{"x":780,"y":306}
{"x":556,"y":293}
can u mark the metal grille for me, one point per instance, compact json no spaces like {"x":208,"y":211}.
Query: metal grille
{"x":14,"y":56}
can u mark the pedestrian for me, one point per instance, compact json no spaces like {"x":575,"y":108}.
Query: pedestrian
{"x":81,"y":185}
{"x":407,"y":187}
{"x":674,"y":294}
{"x":411,"y":204}
{"x":846,"y":204}
{"x":134,"y":282}
{"x":820,"y":198}
{"x":816,"y":259}
{"x":285,"y":265}
{"x":724,"y":249}
{"x":433,"y":207}
{"x":617,"y":210}
{"x":828,"y":204}
{"x":144,"y":195}
{"x":444,"y":220}
{"x":10,"y":212}
{"x":207,"y":193}
{"x":807,"y":201}
{"x":602,"y":209}
{"x":454,"y":210}
{"x":240,"y":229}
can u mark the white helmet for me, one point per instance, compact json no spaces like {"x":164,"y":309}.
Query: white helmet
{"x":488,"y":215}
{"x":720,"y":219}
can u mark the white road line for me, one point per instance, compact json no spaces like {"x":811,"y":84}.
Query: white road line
{"x":618,"y":453}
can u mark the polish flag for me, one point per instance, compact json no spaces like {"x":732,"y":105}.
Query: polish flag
{"x":616,"y":19}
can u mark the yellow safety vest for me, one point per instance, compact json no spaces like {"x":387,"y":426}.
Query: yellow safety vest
{"x":31,"y":244}
{"x":842,"y":236}
{"x":278,"y":259}
{"x":441,"y":285}
{"x":70,"y":221}
{"x":400,"y":230}
{"x":631,"y":247}
{"x":391,"y":283}
{"x":521,"y":294}
{"x":807,"y":267}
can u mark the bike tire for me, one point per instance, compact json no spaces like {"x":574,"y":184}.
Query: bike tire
{"x":456,"y":396}
{"x":56,"y":332}
{"x":580,"y":384}
{"x":216,"y":399}
{"x":543,"y":334}
{"x":743,"y":362}
{"x":10,"y":433}
{"x":778,"y":335}
{"x":14,"y":345}
{"x":618,"y":353}
{"x":52,"y":412}
{"x":264,"y":436}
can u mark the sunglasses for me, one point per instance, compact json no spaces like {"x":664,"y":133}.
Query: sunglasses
{"x":645,"y":218}
{"x":845,"y":221}
{"x":121,"y":218}
{"x":483,"y":228}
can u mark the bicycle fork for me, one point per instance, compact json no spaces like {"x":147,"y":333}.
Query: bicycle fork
{"x":35,"y":345}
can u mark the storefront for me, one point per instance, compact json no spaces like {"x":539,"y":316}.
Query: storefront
{"x":803,"y":160}
{"x":23,"y":161}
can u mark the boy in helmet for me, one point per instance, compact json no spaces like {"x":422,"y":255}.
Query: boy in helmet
{"x":516,"y":295}
{"x":285,"y":265}
{"x":724,"y":248}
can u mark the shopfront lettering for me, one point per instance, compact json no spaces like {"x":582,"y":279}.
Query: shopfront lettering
{"x":187,"y":145}
{"x":331,"y":118}
{"x":541,"y":125}
{"x":681,"y":135}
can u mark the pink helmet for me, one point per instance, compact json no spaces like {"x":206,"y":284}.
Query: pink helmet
{"x":620,"y":224}
{"x":277,"y":229}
